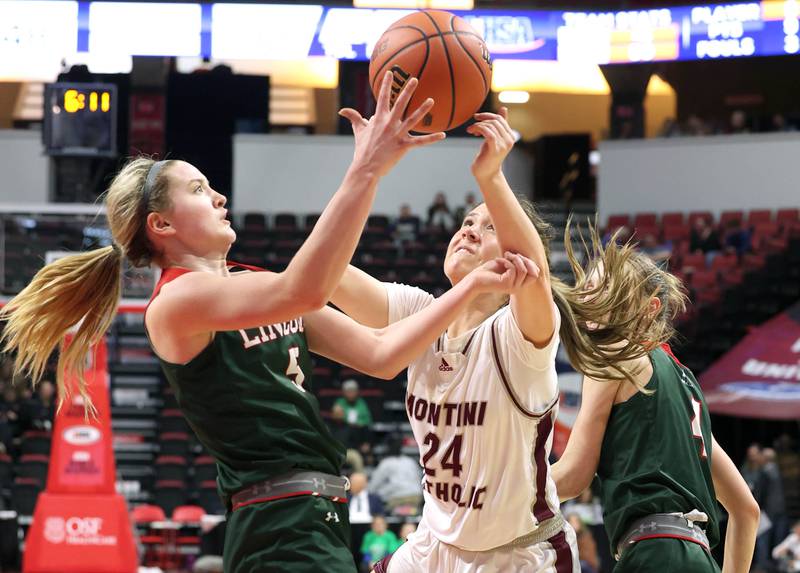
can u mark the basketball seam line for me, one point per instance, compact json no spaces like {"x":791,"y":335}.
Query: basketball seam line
{"x":450,"y":67}
{"x":474,"y":61}
{"x":426,"y":38}
{"x":407,"y":46}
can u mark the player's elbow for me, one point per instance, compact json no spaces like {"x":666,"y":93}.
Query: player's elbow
{"x":744,"y":509}
{"x":306,"y":296}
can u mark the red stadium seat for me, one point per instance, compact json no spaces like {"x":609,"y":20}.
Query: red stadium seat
{"x":709,"y":218}
{"x":728,"y":216}
{"x":674,"y":232}
{"x":672,"y":219}
{"x":645,"y":220}
{"x":787,"y":216}
{"x":617,"y":221}
{"x":724,"y":262}
{"x":693,"y":262}
{"x":759,"y":216}
{"x":702,"y":280}
{"x":753,"y":262}
{"x":708,"y":297}
{"x":732,"y":277}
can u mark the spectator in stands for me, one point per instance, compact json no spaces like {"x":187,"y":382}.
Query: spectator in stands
{"x":752,"y":471}
{"x":670,"y":128}
{"x":10,"y":410}
{"x":774,"y":503}
{"x":363,"y":505}
{"x":735,"y":238}
{"x":397,"y":479}
{"x":440,"y":217}
{"x":657,"y":250}
{"x":39,"y":411}
{"x":469,"y":205}
{"x":738,"y":123}
{"x":379,"y":542}
{"x":587,"y":547}
{"x":704,"y":238}
{"x":787,"y":552}
{"x":779,"y":123}
{"x":405,"y":530}
{"x":406,"y":226}
{"x":356,"y":411}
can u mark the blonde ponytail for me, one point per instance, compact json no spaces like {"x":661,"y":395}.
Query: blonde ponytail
{"x":83,"y":288}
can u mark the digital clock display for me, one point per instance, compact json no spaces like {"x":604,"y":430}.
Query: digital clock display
{"x":80,"y":119}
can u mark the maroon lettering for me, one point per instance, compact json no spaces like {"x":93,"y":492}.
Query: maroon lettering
{"x":442,"y":491}
{"x":433,"y":413}
{"x":410,"y":405}
{"x":469,"y":413}
{"x":456,"y":494}
{"x":476,"y":504}
{"x":481,"y":413}
{"x":420,"y":408}
{"x":434,"y":442}
{"x":449,"y":409}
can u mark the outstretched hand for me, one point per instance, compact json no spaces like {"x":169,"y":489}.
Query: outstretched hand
{"x":384,"y":139}
{"x":507,"y":274}
{"x":498,"y":140}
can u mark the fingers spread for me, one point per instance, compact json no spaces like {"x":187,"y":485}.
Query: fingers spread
{"x":405,"y":96}
{"x":419,"y":140}
{"x":385,"y":93}
{"x":417,"y":115}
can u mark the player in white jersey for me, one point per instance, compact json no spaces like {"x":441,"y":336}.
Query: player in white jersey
{"x":483,"y":399}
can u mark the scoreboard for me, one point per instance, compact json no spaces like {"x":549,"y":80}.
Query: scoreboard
{"x":767,"y":28}
{"x":33,"y":37}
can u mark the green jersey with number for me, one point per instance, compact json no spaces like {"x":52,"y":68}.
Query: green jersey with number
{"x":656,"y":453}
{"x":247,"y":397}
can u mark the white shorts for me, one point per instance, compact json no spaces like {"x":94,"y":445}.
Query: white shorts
{"x":424,"y":553}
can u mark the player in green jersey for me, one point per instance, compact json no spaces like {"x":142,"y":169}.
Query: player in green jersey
{"x":644,"y":427}
{"x":234,"y":344}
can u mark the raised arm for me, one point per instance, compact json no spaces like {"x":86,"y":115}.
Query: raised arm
{"x":314,"y":272}
{"x":575,"y":470}
{"x":384,"y":352}
{"x":363,"y":298}
{"x":532,"y":308}
{"x":743,"y":512}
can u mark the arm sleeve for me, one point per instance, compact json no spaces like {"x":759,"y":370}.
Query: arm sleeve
{"x":522,"y":349}
{"x":405,"y":300}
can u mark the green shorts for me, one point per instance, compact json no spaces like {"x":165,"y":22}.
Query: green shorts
{"x":666,"y":556}
{"x":301,"y":534}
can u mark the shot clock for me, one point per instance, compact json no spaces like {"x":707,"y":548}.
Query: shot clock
{"x":80,"y":119}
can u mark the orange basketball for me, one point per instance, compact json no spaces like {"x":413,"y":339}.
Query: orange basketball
{"x":446,"y":55}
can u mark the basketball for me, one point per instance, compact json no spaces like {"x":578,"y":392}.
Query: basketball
{"x":450,"y":60}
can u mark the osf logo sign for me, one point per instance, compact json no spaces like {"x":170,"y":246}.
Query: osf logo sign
{"x":77,"y":531}
{"x":54,"y":530}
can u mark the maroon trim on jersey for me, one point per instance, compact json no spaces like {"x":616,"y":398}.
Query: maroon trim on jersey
{"x":509,"y":389}
{"x":440,"y":343}
{"x":382,"y":566}
{"x":541,"y":509}
{"x":563,"y":552}
{"x":466,"y":346}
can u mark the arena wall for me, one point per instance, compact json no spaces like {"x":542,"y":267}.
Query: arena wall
{"x":714,"y":173}
{"x":23,"y":168}
{"x":299,"y":173}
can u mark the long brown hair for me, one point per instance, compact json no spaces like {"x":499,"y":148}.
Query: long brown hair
{"x":82,"y":291}
{"x":606,"y":327}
